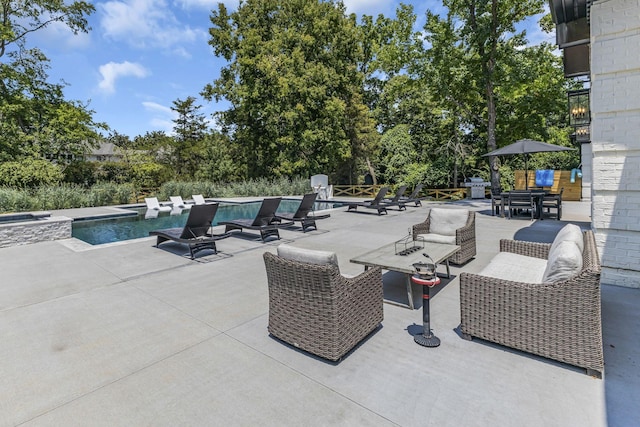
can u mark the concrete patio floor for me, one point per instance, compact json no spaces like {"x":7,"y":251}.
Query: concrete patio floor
{"x":128,"y":334}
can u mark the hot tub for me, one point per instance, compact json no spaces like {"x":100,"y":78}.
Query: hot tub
{"x":31,"y":227}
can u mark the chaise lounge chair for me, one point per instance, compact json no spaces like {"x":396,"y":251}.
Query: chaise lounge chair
{"x":264,"y":220}
{"x":376,"y":203}
{"x":302,"y":214}
{"x":397,"y":199}
{"x":198,"y":199}
{"x":196,"y":233}
{"x":153,"y":204}
{"x":177,"y":202}
{"x":414,"y":197}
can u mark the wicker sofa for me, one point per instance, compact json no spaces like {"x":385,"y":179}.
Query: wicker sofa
{"x":453,"y":226}
{"x":313,"y":307}
{"x":557,"y":317}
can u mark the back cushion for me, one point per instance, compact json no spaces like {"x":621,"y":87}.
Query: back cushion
{"x":564,"y":261}
{"x":307,"y":255}
{"x":571,"y":233}
{"x":447,"y":221}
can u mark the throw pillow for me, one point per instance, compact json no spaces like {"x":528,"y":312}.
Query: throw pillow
{"x":447,"y":221}
{"x":307,"y":255}
{"x":569,"y":232}
{"x":563,"y":262}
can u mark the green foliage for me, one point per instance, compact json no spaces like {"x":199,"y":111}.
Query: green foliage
{"x":190,"y":129}
{"x":36,"y":120}
{"x":80,"y":172}
{"x":29,"y":173}
{"x":251,"y":188}
{"x":109,"y":193}
{"x":149,"y":174}
{"x":222,"y":160}
{"x":63,"y":196}
{"x":186,"y":189}
{"x":397,"y":155}
{"x":293,"y":85}
{"x":119,"y":172}
{"x":16,"y":200}
{"x":480,"y":67}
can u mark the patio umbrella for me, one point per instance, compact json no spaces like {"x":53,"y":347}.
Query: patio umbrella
{"x":526,"y":147}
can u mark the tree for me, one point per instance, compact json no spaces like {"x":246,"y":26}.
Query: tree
{"x":294,"y":87}
{"x":35,"y":119}
{"x":20,"y":18}
{"x":470,"y":50}
{"x":190,"y":129}
{"x":222,"y":160}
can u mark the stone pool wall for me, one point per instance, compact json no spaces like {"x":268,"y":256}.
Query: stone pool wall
{"x":38,"y":230}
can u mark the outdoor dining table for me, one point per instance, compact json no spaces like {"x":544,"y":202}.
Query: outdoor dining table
{"x":538,"y":197}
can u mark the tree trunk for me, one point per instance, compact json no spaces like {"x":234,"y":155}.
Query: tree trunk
{"x":491,"y":104}
{"x":372,"y":171}
{"x":491,"y":139}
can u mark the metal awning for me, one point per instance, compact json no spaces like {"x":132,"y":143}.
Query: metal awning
{"x":563,"y":11}
{"x":573,"y":34}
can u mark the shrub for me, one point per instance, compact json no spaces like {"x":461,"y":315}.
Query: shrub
{"x":110,"y":193}
{"x":69,"y":195}
{"x":64,"y":196}
{"x":149,"y":174}
{"x":119,"y":172}
{"x":29,"y":173}
{"x":80,"y":172}
{"x":253,"y":187}
{"x":15,"y":200}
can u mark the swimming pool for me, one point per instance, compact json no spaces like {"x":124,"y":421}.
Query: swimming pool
{"x":135,"y":226}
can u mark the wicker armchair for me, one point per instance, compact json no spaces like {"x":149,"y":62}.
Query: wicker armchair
{"x":560,"y":321}
{"x":465,"y":236}
{"x":315,"y":308}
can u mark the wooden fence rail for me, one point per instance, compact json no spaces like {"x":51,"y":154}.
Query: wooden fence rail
{"x":368,"y":191}
{"x":372,"y":190}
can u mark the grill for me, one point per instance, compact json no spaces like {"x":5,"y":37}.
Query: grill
{"x":477,"y":186}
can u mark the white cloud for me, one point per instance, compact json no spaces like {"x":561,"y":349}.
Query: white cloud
{"x":112,"y":71}
{"x":162,"y":116}
{"x":145,"y":23}
{"x":158,"y":108}
{"x":57,"y":35}
{"x":370,"y":7}
{"x":202,"y":4}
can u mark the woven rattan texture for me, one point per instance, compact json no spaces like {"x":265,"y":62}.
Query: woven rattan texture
{"x":560,"y":321}
{"x":313,"y":307}
{"x":465,"y":238}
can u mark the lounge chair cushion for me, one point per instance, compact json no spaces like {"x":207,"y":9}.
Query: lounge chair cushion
{"x":437,"y":238}
{"x":515,"y":267}
{"x":564,"y":261}
{"x":569,"y":232}
{"x":307,"y":255}
{"x":447,"y":221}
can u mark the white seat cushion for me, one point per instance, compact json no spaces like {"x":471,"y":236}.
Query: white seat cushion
{"x":437,"y":238}
{"x":515,"y":267}
{"x":569,"y":232}
{"x":307,"y":255}
{"x":447,"y":221}
{"x":564,"y":261}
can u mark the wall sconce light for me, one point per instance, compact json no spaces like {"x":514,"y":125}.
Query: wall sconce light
{"x":583,"y":133}
{"x":579,"y":112}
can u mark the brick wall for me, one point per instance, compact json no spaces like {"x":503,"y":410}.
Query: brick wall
{"x":615,"y":134}
{"x":24,"y":233}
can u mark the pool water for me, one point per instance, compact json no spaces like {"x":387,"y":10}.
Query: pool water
{"x":99,"y":231}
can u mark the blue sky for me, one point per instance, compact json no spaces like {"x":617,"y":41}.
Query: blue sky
{"x":141,"y":55}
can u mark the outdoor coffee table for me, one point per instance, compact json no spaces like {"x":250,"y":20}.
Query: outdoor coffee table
{"x":386,"y":258}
